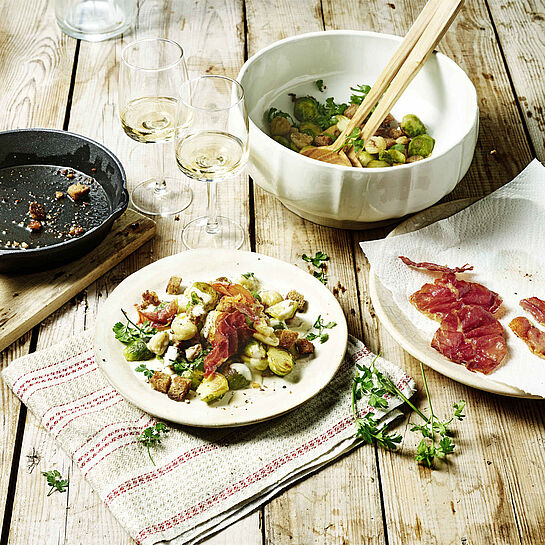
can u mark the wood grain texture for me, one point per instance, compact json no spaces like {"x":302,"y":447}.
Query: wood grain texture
{"x":19,"y":293}
{"x":341,"y":504}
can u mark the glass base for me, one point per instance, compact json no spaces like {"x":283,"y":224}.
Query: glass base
{"x":162,"y":200}
{"x":229,"y":234}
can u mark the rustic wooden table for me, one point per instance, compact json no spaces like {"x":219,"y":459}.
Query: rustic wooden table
{"x":491,"y":492}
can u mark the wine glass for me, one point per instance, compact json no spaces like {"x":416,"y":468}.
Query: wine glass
{"x":151,"y":73}
{"x":211,"y":144}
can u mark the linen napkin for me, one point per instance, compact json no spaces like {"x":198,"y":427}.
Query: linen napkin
{"x":503,"y":237}
{"x":204,"y":479}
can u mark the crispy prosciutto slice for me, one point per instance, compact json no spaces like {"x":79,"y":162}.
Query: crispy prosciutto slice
{"x":232,"y":290}
{"x":531,"y":335}
{"x":471,"y":336}
{"x":535,"y":307}
{"x":159,"y":319}
{"x":230,"y":331}
{"x":434,"y":267}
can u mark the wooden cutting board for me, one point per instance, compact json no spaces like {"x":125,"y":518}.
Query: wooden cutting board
{"x":26,"y":299}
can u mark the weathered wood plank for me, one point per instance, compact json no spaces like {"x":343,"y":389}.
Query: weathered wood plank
{"x":341,"y":504}
{"x":36,"y":62}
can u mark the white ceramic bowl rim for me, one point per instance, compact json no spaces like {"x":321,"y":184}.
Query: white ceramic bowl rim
{"x":444,"y":58}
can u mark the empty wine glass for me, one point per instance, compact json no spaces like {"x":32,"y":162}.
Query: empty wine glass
{"x":211,"y":144}
{"x":151,"y":74}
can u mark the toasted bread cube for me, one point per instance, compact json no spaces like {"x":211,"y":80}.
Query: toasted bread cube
{"x":174,"y":285}
{"x":304,"y":347}
{"x":150,"y":298}
{"x":36,"y":211}
{"x":160,"y":382}
{"x":296,"y":296}
{"x":286,"y":338}
{"x":179,"y":388}
{"x":78,"y":191}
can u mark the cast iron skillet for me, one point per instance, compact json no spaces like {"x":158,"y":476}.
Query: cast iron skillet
{"x":34,"y":164}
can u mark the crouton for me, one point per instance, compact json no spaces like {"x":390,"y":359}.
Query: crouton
{"x":179,"y":388}
{"x":286,"y":338}
{"x":296,"y":296}
{"x":174,"y":285}
{"x":160,"y":382}
{"x":150,"y":298}
{"x":35,"y":225}
{"x":36,"y":211}
{"x":304,"y":347}
{"x":78,"y":191}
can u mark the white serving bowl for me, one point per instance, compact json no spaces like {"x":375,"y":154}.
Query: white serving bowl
{"x":441,"y":95}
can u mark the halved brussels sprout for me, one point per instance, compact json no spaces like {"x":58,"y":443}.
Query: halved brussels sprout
{"x":137,"y":351}
{"x":305,"y":108}
{"x":255,"y":349}
{"x":421,"y":145}
{"x":284,"y":310}
{"x":213,"y":387}
{"x":279,"y":126}
{"x":378,"y":164}
{"x":238,"y":376}
{"x":365,"y":158}
{"x":399,"y":147}
{"x":391,"y":156}
{"x":342,"y":122}
{"x":159,"y":342}
{"x":270,"y":297}
{"x":310,"y":128}
{"x":183,"y":328}
{"x":375,"y":144}
{"x":204,"y":293}
{"x":257,"y":364}
{"x":196,"y":377}
{"x":280,"y":361}
{"x":412,"y":126}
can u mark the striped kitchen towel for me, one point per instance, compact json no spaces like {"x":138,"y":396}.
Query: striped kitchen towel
{"x":204,"y":479}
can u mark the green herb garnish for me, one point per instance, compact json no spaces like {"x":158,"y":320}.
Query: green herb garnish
{"x":127,"y":334}
{"x":55,"y":481}
{"x":142,"y":368}
{"x":319,"y":85}
{"x":271,"y":113}
{"x":319,"y":261}
{"x":248,"y":275}
{"x":320,"y":326}
{"x":360,"y":92}
{"x":151,"y":437}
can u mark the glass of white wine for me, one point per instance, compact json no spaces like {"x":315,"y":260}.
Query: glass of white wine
{"x":151,"y":73}
{"x":211,"y":144}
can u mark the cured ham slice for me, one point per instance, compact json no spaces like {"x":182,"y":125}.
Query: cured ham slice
{"x":231,"y":330}
{"x":531,"y":335}
{"x":535,"y":307}
{"x":471,"y":336}
{"x":232,"y":290}
{"x":161,"y":318}
{"x":434,"y":267}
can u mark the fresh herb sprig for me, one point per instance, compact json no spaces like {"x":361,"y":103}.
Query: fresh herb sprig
{"x":55,"y":481}
{"x":320,"y":85}
{"x":373,"y":385}
{"x":271,"y":113}
{"x":353,"y":139}
{"x":360,"y":92}
{"x":127,"y":334}
{"x":142,"y":368}
{"x":319,"y":325}
{"x":182,"y":365}
{"x":248,"y":275}
{"x":319,"y":261}
{"x":152,"y":436}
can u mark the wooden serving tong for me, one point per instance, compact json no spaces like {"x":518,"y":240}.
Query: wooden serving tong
{"x":419,"y":43}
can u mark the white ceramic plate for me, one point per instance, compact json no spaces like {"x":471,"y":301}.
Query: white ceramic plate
{"x":242,"y":407}
{"x":412,"y":339}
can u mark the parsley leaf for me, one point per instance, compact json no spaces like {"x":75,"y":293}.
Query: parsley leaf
{"x":151,"y":437}
{"x":360,"y":92}
{"x":320,"y":326}
{"x":127,"y":334}
{"x":319,"y":85}
{"x":248,"y":275}
{"x":271,"y":113}
{"x":318,"y":261}
{"x":55,"y":481}
{"x":142,"y":368}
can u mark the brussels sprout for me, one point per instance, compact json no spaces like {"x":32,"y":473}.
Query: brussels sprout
{"x":403,"y":140}
{"x":159,"y":342}
{"x":421,"y":145}
{"x":342,"y":122}
{"x":365,"y":158}
{"x":205,"y":294}
{"x":196,"y":377}
{"x":300,"y":140}
{"x":270,"y":297}
{"x":254,"y":349}
{"x":375,"y":144}
{"x":399,"y":147}
{"x":308,"y":127}
{"x":137,"y":351}
{"x":249,"y":281}
{"x":377,"y":164}
{"x":282,"y":140}
{"x":412,"y":126}
{"x":284,"y":310}
{"x":305,"y":108}
{"x":183,"y":328}
{"x":257,"y":364}
{"x":414,"y":158}
{"x":279,"y":126}
{"x":391,"y":156}
{"x":238,"y":376}
{"x":280,"y":361}
{"x":213,"y":387}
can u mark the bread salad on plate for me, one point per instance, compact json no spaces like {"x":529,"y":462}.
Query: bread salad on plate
{"x":208,"y":338}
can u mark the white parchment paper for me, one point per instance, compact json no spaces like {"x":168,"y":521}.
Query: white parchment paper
{"x":503,"y":237}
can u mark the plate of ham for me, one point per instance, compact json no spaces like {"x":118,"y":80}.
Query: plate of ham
{"x":160,"y":322}
{"x":470,"y":340}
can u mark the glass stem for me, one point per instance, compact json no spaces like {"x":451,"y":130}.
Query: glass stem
{"x":160,"y":183}
{"x":212,"y":226}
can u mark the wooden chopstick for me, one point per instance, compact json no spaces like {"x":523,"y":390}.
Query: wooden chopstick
{"x":390,"y":70}
{"x":435,"y":30}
